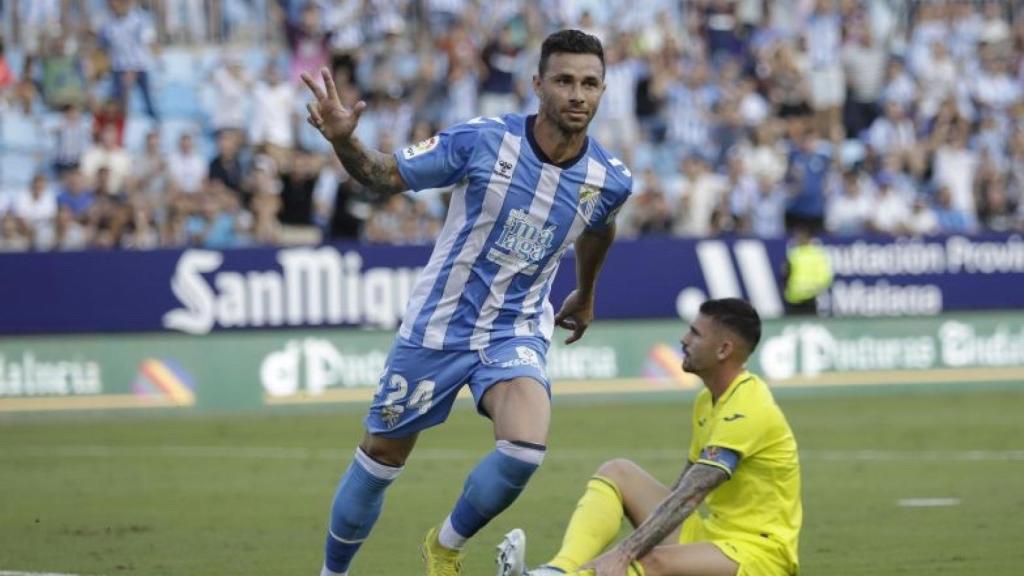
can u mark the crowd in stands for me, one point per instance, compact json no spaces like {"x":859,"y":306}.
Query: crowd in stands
{"x":137,"y":125}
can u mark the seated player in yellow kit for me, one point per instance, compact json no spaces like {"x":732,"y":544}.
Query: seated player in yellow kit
{"x":742,"y":467}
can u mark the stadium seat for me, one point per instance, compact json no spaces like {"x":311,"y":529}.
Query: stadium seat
{"x":17,"y":169}
{"x":20,"y":133}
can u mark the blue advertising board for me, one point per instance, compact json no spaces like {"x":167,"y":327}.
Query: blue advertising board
{"x":197,"y":291}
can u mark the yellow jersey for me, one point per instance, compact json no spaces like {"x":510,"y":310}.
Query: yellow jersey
{"x":760,"y":504}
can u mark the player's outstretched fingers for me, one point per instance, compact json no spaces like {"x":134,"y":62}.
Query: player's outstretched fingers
{"x":317,"y":91}
{"x":314,"y":114}
{"x":332,"y":88}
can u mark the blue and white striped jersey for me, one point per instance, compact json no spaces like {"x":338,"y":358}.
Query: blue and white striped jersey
{"x":512,"y":215}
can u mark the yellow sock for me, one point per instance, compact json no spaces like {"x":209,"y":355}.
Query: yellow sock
{"x":594,"y":524}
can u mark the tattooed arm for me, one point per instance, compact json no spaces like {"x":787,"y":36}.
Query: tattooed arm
{"x":375,"y":170}
{"x":337,"y":123}
{"x":696,"y":483}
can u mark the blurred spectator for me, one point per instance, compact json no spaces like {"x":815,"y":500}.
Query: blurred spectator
{"x":149,"y":171}
{"x":922,"y":221}
{"x":226,"y":168}
{"x":891,"y":133}
{"x":36,"y":208}
{"x":232,"y":91}
{"x":850,"y":205}
{"x":12,"y":234}
{"x":211,"y":226}
{"x":128,"y":38}
{"x":823,"y":35}
{"x":864,"y":63}
{"x":62,"y":82}
{"x":141,"y":230}
{"x":264,"y":186}
{"x":309,"y":42}
{"x":72,"y":137}
{"x":186,"y":168}
{"x":701,"y":191}
{"x":70,"y":233}
{"x":109,"y":113}
{"x":952,"y":220}
{"x":498,"y":90}
{"x":954,"y":167}
{"x":6,"y":75}
{"x":272,"y":124}
{"x":76,"y":196}
{"x":899,"y":87}
{"x":809,"y":170}
{"x":185,"y":20}
{"x":108,"y":154}
{"x":891,"y":213}
{"x":338,"y":208}
{"x":298,"y":183}
{"x":649,"y":211}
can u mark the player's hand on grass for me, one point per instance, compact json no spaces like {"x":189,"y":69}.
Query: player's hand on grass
{"x":611,"y":563}
{"x":328,"y":115}
{"x":576,"y":314}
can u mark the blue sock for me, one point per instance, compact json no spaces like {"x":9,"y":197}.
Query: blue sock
{"x":494,"y":484}
{"x":357,"y":505}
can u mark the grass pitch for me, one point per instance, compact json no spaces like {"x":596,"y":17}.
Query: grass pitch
{"x":917,"y":482}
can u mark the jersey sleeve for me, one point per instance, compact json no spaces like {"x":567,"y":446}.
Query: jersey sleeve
{"x":722,"y":458}
{"x":609,"y":206}
{"x":742,"y":431}
{"x":441,"y":160}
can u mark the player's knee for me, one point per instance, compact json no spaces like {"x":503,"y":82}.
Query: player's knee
{"x":618,"y":470}
{"x":387,"y":453}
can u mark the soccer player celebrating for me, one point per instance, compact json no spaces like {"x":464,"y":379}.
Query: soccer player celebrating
{"x":742,"y":465}
{"x":526,"y":189}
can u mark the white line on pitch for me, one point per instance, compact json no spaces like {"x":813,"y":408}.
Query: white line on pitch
{"x":441,"y":454}
{"x":10,"y":573}
{"x":927,"y":502}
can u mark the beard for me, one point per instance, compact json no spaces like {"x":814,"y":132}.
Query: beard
{"x":559,"y":119}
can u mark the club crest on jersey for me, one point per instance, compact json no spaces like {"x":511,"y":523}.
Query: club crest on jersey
{"x":523,"y":244}
{"x":423,"y":147}
{"x":588,"y":197}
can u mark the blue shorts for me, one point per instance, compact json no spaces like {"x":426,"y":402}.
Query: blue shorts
{"x":419,"y":384}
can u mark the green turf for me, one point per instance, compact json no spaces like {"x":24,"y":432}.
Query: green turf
{"x":248,"y":494}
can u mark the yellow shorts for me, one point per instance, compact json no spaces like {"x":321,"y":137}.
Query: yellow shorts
{"x":753,"y":560}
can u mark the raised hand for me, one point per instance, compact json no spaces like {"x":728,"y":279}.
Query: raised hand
{"x":332,"y":119}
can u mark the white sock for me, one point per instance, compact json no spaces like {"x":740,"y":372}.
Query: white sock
{"x":449,"y":538}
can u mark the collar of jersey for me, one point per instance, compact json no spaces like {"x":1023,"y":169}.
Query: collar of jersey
{"x":544,"y":157}
{"x":741,"y":378}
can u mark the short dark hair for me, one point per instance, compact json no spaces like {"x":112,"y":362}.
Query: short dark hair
{"x":737,"y":315}
{"x":572,"y":42}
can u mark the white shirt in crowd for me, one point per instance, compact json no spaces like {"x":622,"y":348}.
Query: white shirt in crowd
{"x":38,"y":213}
{"x":117,"y":161}
{"x":231,"y":95}
{"x":891,"y":212}
{"x":955,"y":167}
{"x":187,"y":171}
{"x":272,"y":116}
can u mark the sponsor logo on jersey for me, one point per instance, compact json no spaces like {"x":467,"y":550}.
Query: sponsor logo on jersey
{"x":419,"y":148}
